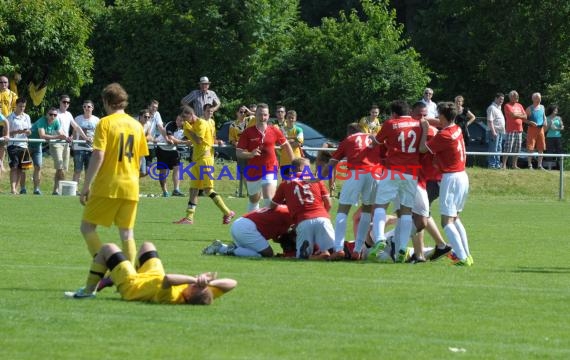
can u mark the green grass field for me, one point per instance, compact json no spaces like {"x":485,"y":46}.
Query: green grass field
{"x":512,"y":304}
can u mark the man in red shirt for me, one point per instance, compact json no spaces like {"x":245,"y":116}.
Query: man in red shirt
{"x":362,"y":161}
{"x":251,"y":233}
{"x":400,"y":135}
{"x":257,"y":145}
{"x":449,"y":148}
{"x":515,"y":114}
{"x":309,"y":204}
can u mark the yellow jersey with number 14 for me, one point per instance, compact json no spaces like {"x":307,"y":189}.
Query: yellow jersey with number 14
{"x":122,"y":140}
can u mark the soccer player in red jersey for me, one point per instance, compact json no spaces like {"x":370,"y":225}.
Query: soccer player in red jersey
{"x":257,"y":145}
{"x":427,"y":192}
{"x":309,"y":204}
{"x":251,"y":233}
{"x":400,"y":135}
{"x":449,"y":149}
{"x":363,"y":163}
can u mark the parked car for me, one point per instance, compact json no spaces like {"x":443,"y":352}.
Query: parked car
{"x":313,"y":139}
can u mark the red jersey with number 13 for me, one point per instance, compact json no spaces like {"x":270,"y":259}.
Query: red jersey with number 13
{"x":303,"y":198}
{"x":449,"y":149}
{"x":401,"y":136}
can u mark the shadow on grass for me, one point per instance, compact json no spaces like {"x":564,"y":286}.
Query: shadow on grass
{"x":543,"y":270}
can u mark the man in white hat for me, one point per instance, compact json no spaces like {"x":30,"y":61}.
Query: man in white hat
{"x":198,"y":98}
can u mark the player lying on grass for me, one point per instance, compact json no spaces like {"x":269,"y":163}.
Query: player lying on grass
{"x":150,"y":282}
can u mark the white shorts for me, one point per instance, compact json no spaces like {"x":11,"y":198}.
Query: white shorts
{"x":254,"y":187}
{"x":421,"y":202}
{"x":395,"y":184}
{"x":316,"y":231}
{"x":358,"y":186}
{"x":453,"y":193}
{"x":245,"y":235}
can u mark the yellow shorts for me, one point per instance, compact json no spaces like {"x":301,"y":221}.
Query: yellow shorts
{"x":106,"y":211}
{"x":203,"y":172}
{"x":142,"y":285}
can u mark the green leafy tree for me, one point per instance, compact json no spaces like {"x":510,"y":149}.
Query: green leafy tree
{"x":333,"y":73}
{"x":160,"y":49}
{"x":477,"y":48}
{"x":45,"y":41}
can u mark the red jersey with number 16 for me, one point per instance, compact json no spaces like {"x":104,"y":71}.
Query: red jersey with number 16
{"x":359,"y":152}
{"x":401,"y":136}
{"x":449,"y":149}
{"x":303,"y":198}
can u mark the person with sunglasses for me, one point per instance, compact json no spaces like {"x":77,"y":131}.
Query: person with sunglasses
{"x":49,"y":129}
{"x":67,"y":122}
{"x":82,"y":151}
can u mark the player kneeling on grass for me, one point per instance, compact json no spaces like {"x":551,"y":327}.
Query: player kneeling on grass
{"x":309,"y":204}
{"x":149,"y":282}
{"x":252,"y":231}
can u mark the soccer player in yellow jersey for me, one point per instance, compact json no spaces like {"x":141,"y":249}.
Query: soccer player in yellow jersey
{"x":149,"y":282}
{"x":111,"y":189}
{"x":201,"y":134}
{"x":294,"y":135}
{"x":371,"y":124}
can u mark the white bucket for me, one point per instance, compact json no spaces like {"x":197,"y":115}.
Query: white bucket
{"x":67,"y":188}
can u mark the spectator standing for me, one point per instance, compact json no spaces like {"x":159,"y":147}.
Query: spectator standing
{"x":46,"y":128}
{"x":464,"y":117}
{"x":198,"y":98}
{"x":7,"y":105}
{"x":432,"y":115}
{"x":20,"y":128}
{"x":536,"y":120}
{"x":110,"y":191}
{"x":257,"y":145}
{"x":553,"y":131}
{"x":496,"y":128}
{"x":515,"y":114}
{"x":169,"y":157}
{"x":144,"y":120}
{"x":4,"y":135}
{"x":280,"y":121}
{"x":67,"y":122}
{"x":87,"y":122}
{"x":371,"y":124}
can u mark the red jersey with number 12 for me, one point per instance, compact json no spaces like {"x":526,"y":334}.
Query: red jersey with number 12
{"x":401,"y":136}
{"x":449,"y":149}
{"x":303,"y":198}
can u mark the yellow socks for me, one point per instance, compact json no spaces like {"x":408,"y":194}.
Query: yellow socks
{"x":217,"y":199}
{"x":93,"y":242}
{"x":96,"y":273}
{"x":130,"y":250}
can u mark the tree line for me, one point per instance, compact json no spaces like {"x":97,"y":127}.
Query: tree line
{"x":283,"y":52}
